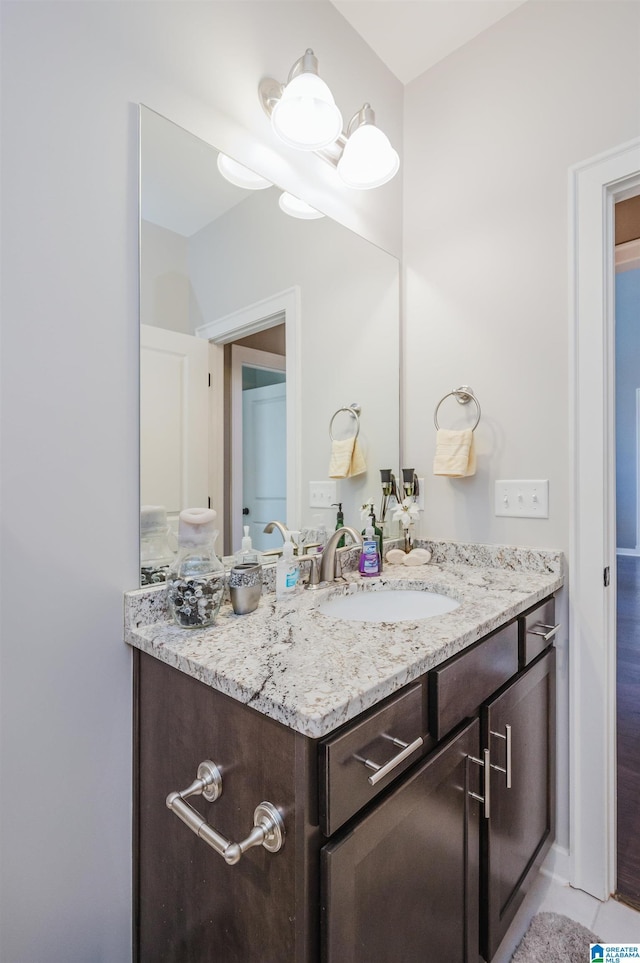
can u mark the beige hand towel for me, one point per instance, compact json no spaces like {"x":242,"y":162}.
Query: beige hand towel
{"x":358,"y":464}
{"x":455,"y":453}
{"x":346,"y":458}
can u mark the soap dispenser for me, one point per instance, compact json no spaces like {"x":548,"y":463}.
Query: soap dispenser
{"x":369,"y":565}
{"x":247,"y":553}
{"x":287,"y":572}
{"x":377,"y":531}
{"x":339,"y":522}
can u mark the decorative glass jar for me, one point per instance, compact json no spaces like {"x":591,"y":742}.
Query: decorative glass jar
{"x":195,"y":580}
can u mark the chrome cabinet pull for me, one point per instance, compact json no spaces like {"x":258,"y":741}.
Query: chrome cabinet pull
{"x":506,"y":770}
{"x":268,"y":826}
{"x":545,"y":632}
{"x":486,"y":799}
{"x":381,"y":771}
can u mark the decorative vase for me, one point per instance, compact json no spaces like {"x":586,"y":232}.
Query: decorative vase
{"x":195,"y":581}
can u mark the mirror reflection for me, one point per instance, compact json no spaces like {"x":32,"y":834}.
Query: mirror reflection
{"x":256,"y":329}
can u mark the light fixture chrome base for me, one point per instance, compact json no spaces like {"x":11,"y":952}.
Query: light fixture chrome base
{"x":269,"y":92}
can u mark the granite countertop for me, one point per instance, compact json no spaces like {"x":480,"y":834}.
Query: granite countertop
{"x":312,"y":672}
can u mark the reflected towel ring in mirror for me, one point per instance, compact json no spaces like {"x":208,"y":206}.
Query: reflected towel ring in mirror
{"x":463,"y":395}
{"x":353,"y":410}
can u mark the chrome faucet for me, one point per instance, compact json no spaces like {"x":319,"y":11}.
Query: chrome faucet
{"x":284,"y":531}
{"x":269,"y":527}
{"x":330,"y":568}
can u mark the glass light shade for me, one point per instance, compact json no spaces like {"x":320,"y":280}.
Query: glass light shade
{"x":306,"y":116}
{"x":368,"y":159}
{"x":296,"y":208}
{"x":240,"y":175}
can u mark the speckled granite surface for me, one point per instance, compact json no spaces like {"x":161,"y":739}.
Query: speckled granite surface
{"x":312,"y":672}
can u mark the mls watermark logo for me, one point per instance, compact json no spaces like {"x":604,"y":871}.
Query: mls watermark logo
{"x":614,"y":952}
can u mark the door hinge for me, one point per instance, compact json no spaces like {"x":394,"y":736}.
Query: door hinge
{"x":209,"y":379}
{"x":208,"y":501}
{"x":607,"y":577}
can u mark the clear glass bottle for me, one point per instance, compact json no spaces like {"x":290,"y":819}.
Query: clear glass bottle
{"x":156,"y":555}
{"x":195,"y":580}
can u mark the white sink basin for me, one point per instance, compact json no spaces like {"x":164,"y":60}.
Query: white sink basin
{"x":395,"y":605}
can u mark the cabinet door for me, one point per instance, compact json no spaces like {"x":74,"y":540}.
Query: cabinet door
{"x":521,"y":827}
{"x":402,"y":884}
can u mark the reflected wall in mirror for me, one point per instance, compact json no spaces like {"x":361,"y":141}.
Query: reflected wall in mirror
{"x":287,"y":320}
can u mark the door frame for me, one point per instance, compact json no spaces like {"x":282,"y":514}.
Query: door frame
{"x":240,"y":356}
{"x":594,"y":187}
{"x":258,"y":317}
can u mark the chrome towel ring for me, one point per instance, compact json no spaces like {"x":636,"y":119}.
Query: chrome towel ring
{"x":463,"y":395}
{"x":354,"y":411}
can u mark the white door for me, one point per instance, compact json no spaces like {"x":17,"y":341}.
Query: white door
{"x":174,"y":416}
{"x":259,"y":448}
{"x":264,"y":460}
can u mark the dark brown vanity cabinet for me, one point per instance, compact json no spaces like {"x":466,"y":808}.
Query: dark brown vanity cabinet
{"x":519,"y":727}
{"x":388,"y":855}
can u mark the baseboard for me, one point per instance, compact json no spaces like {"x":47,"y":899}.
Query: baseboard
{"x":557,"y":865}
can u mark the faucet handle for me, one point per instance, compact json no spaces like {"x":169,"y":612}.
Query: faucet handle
{"x":314,"y":570}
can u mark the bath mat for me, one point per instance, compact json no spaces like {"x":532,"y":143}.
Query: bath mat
{"x":552,"y":938}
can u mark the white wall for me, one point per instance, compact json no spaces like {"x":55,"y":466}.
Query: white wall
{"x":72,"y":76}
{"x":489,"y":136}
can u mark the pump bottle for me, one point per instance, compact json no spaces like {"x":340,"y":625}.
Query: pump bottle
{"x":377,"y":531}
{"x":369,"y":565}
{"x":339,"y":522}
{"x":287,"y":572}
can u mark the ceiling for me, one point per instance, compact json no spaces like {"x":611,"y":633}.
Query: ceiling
{"x":410,"y":36}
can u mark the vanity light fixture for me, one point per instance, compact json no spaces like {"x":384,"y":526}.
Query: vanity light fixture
{"x":296,"y":208}
{"x":303,"y":112}
{"x":368,"y":159}
{"x":304,"y":115}
{"x":240,"y":175}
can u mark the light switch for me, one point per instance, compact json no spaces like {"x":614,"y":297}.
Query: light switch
{"x":322,"y":494}
{"x":523,"y":498}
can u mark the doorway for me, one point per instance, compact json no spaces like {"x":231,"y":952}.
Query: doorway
{"x":281,"y":309}
{"x":627,"y":380}
{"x":595,"y":186}
{"x":256,"y":448}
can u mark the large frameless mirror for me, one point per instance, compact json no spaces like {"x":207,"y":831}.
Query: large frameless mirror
{"x":256,"y":328}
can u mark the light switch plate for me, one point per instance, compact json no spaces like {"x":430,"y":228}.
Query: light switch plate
{"x":322,"y":494}
{"x":522,"y":498}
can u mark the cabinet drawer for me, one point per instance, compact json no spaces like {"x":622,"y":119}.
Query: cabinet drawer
{"x":403,"y":886}
{"x":460,"y":685}
{"x":536,"y":631}
{"x":347,"y":783}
